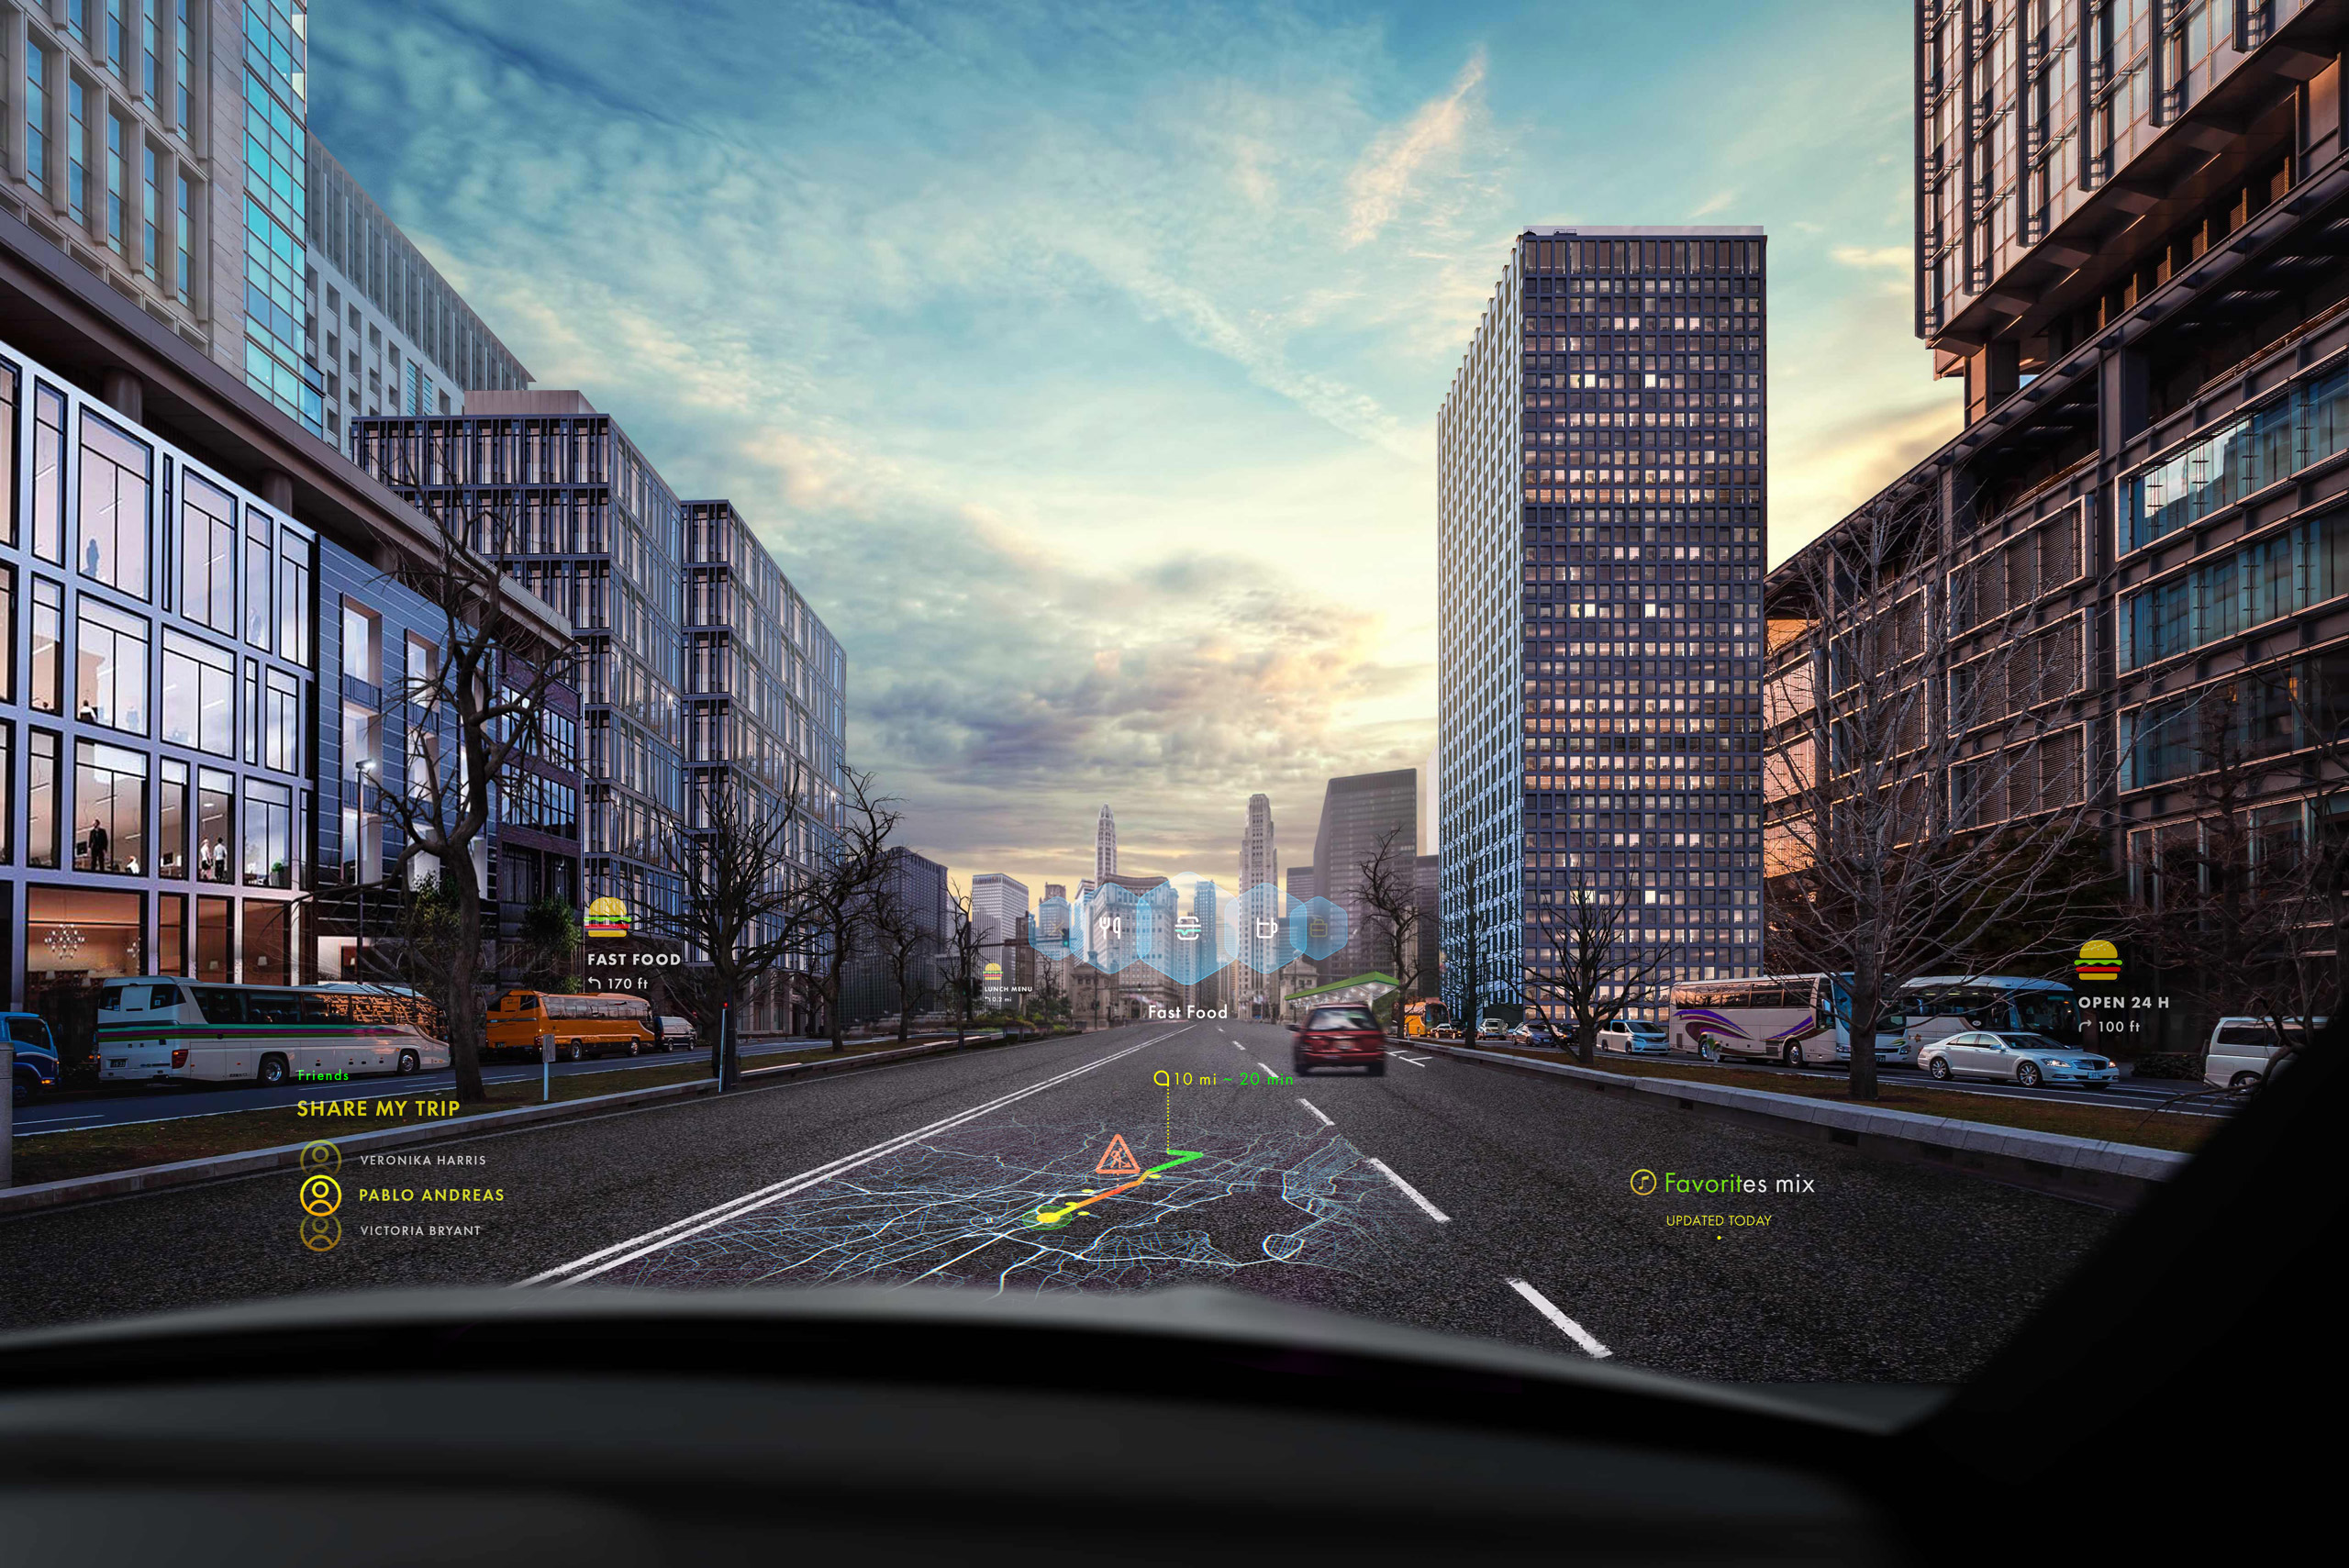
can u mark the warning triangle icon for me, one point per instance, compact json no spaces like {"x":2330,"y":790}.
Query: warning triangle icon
{"x":1117,"y":1160}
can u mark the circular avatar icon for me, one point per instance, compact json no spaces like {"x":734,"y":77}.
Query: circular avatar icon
{"x":1642,"y":1182}
{"x":321,"y":1195}
{"x":321,"y":1156}
{"x":322,"y":1233}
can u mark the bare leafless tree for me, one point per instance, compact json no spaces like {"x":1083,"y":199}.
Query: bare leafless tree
{"x":1588,"y":959}
{"x":836,"y":898}
{"x":744,"y":910}
{"x":1928,"y":769}
{"x":1388,"y":883}
{"x":961,"y":961}
{"x":473,"y":708}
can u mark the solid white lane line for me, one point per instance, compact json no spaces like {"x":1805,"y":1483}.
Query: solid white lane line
{"x":635,"y":1247}
{"x":1560,"y":1321}
{"x":1308,"y":1104}
{"x":1410,"y":1192}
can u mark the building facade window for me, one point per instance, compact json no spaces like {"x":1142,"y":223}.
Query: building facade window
{"x":199,"y":696}
{"x":268,"y":836}
{"x":41,"y":804}
{"x":115,"y":484}
{"x":207,"y":556}
{"x":216,"y":811}
{"x":171,"y":820}
{"x":257,"y":556}
{"x":294,"y":614}
{"x":110,"y":667}
{"x":77,"y":152}
{"x":282,"y":734}
{"x":83,"y":934}
{"x":49,"y":475}
{"x":109,"y":809}
{"x":151,"y":234}
{"x":37,"y":119}
{"x":45,"y":692}
{"x":171,"y":933}
{"x":116,"y":183}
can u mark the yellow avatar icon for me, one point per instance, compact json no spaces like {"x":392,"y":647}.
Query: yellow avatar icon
{"x":321,"y":1156}
{"x":322,"y":1233}
{"x":321,"y":1195}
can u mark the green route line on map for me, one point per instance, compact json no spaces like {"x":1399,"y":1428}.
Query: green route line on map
{"x":1059,"y":1216}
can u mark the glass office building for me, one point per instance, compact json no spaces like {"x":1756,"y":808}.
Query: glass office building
{"x":584,"y":522}
{"x":1601,"y":516}
{"x":275,"y":77}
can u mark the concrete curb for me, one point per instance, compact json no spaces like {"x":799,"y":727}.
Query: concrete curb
{"x":213,"y":1167}
{"x":2111,"y":1176}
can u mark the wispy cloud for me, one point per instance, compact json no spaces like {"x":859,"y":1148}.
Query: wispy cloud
{"x":1893,"y":256}
{"x":1378,"y":186}
{"x":1079,"y":362}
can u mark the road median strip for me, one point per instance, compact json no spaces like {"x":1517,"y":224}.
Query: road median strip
{"x":2100,"y":1170}
{"x":88,"y":1187}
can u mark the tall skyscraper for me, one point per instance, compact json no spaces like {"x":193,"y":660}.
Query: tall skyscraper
{"x":998,"y":902}
{"x":1357,"y":812}
{"x":1431,"y":805}
{"x":1105,"y":847}
{"x":1260,"y":865}
{"x":1600,"y":515}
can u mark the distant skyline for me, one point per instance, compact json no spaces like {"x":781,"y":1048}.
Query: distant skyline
{"x":1081,"y":363}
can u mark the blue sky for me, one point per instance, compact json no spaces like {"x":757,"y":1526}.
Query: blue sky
{"x":1080,"y":362}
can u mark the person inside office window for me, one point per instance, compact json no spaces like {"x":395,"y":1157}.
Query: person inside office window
{"x":95,"y":846}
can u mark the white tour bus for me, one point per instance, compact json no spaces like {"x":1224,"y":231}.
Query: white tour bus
{"x":1793,"y":1018}
{"x":166,"y":1026}
{"x":1939,"y":1006}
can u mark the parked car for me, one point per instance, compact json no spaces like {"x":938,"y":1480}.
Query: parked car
{"x":1535,"y":1031}
{"x":2014,"y":1057}
{"x":1634,"y":1036}
{"x":673,"y":1033}
{"x":2244,"y":1050}
{"x":36,"y":1054}
{"x":1338,"y":1037}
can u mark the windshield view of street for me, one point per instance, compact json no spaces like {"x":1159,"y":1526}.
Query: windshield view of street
{"x":1671,"y":690}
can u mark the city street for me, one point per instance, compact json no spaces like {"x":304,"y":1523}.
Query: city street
{"x":124,"y":1104}
{"x":1446,"y":1194}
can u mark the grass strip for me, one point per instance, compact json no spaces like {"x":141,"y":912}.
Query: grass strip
{"x":2109,"y":1124}
{"x":97,"y":1151}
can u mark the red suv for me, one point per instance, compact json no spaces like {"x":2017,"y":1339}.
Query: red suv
{"x":1339,"y":1037}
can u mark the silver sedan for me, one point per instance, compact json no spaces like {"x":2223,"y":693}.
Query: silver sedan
{"x":2014,"y":1057}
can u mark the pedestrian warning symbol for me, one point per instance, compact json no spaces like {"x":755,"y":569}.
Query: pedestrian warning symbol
{"x":1117,"y":1160}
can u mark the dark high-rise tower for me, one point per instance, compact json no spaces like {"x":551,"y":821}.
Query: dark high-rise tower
{"x":1600,"y":515}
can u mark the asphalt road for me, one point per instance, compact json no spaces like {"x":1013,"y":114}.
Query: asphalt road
{"x":1446,"y":1194}
{"x":121,"y":1105}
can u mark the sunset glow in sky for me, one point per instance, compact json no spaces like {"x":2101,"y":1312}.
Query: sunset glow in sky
{"x":1080,"y":362}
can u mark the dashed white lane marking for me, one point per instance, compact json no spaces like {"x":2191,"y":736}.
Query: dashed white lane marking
{"x":676,"y":1231}
{"x":1308,"y":1104}
{"x":1266,"y":1070}
{"x":1559,"y":1320}
{"x":1237,"y":1046}
{"x":1409,"y":1191}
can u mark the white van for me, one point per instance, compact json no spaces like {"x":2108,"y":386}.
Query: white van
{"x":2241,"y":1050}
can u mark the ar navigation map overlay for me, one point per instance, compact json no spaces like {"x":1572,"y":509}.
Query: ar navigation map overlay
{"x":1016,"y":1204}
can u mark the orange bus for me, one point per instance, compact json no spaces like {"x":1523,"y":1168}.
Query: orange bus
{"x":586,"y":1023}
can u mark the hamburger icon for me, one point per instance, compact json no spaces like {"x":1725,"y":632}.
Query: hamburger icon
{"x":2099,"y":961}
